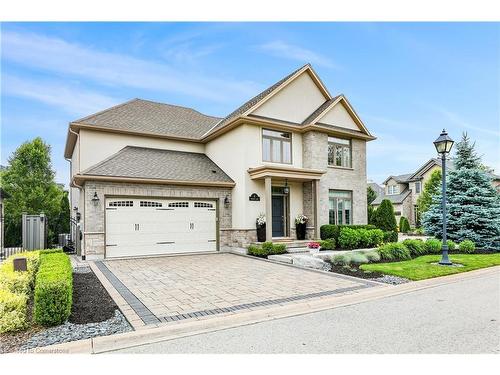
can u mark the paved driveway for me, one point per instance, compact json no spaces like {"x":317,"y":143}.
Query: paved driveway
{"x":168,"y":289}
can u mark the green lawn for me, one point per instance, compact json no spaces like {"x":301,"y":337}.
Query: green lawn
{"x":422,"y":268}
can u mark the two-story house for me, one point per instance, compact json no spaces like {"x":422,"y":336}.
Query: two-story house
{"x":149,"y":178}
{"x":403,"y":190}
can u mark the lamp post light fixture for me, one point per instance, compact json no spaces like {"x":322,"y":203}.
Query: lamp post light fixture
{"x":443,"y":146}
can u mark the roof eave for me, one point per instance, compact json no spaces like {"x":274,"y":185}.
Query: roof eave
{"x":80,"y":178}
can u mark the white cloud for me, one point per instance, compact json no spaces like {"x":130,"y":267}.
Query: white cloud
{"x":62,"y":57}
{"x":279,"y":48}
{"x":73,"y":100}
{"x":459,"y":121}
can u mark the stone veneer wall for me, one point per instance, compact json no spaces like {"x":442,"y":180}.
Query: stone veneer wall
{"x":315,"y":156}
{"x":93,"y":216}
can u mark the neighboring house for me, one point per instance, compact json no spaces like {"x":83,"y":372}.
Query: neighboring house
{"x":378,"y":189}
{"x":150,"y":178}
{"x":403,"y":190}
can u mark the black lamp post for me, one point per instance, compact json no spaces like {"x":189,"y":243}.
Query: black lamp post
{"x":443,"y":146}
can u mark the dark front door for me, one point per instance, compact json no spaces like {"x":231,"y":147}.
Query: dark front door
{"x":278,"y":216}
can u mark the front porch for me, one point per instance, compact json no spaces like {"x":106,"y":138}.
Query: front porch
{"x":280,"y":221}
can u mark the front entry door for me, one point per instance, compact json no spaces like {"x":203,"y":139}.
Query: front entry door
{"x":278,"y":216}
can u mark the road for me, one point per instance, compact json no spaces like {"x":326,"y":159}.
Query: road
{"x":463,"y":317}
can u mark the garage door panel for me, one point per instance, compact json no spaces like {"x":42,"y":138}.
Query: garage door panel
{"x":136,"y":227}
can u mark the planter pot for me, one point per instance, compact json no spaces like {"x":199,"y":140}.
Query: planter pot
{"x":261,"y":233}
{"x":314,"y":251}
{"x":300,"y":229}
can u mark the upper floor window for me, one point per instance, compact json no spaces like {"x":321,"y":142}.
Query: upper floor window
{"x":276,"y":146}
{"x":339,"y":152}
{"x":417,"y":187}
{"x":392,"y":189}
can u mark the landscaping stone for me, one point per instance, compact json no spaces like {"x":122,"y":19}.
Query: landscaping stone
{"x":281,"y":258}
{"x":394,"y":280}
{"x":309,"y":261}
{"x":70,"y":332}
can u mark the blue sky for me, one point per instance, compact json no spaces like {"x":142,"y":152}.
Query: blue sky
{"x":407,"y":81}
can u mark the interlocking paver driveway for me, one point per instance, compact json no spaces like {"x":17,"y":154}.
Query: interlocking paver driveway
{"x":201,"y":285}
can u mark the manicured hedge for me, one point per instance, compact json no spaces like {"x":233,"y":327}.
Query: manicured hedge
{"x":13,"y":309}
{"x":53,"y":289}
{"x":358,"y":238}
{"x":333,"y":231}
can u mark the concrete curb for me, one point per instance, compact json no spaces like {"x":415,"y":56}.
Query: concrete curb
{"x":170,"y":331}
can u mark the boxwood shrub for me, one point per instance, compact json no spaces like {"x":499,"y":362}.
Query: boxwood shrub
{"x":394,"y":251}
{"x":53,"y":289}
{"x":328,"y":244}
{"x":19,"y":282}
{"x":376,"y":237}
{"x":278,"y":248}
{"x":13,"y":310}
{"x":267,"y":248}
{"x":256,"y":251}
{"x":467,"y":246}
{"x":333,"y":231}
{"x":349,"y":238}
{"x":416,"y":247}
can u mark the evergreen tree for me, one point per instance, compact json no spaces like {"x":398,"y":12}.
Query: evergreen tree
{"x":404,"y":225}
{"x":431,"y":188}
{"x":371,"y":195}
{"x":473,"y":204}
{"x":29,"y":180}
{"x":384,"y":216}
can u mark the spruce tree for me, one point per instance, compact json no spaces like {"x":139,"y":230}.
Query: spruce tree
{"x":473,"y":204}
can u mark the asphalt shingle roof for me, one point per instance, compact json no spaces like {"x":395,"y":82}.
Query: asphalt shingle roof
{"x":145,"y":116}
{"x":150,"y":163}
{"x":394,"y":198}
{"x":319,"y":110}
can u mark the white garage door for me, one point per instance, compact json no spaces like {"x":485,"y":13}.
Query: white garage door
{"x":136,"y":227}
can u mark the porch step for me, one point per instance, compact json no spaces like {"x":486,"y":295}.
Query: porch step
{"x":289,"y":243}
{"x":281,"y":258}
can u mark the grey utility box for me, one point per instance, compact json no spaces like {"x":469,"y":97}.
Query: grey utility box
{"x":34,"y":232}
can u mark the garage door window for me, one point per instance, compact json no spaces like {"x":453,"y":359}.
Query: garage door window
{"x":178,"y":204}
{"x":121,"y":204}
{"x":203,"y":205}
{"x":150,"y":204}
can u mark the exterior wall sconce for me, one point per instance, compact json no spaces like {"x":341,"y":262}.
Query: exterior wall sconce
{"x":226,"y":201}
{"x":95,"y":199}
{"x":286,"y":189}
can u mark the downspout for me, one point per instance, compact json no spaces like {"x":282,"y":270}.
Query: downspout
{"x":79,"y":187}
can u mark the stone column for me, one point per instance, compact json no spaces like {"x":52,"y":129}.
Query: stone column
{"x":269,"y":215}
{"x":316,"y":208}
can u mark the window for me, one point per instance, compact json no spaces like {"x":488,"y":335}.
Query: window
{"x":202,"y":205}
{"x":121,"y":204}
{"x":149,"y":204}
{"x":340,"y":210}
{"x":339,"y":152}
{"x":417,"y":187}
{"x":276,"y":146}
{"x":179,"y":204}
{"x":392,"y":189}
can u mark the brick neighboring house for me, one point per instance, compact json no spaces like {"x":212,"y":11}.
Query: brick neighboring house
{"x":403,"y":190}
{"x":150,"y":178}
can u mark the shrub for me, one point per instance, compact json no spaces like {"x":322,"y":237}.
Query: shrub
{"x":328,"y":244}
{"x":348,"y":238}
{"x":416,"y":247}
{"x":376,"y":237}
{"x":451,"y":245}
{"x":257,"y":251}
{"x":19,"y":282}
{"x":390,"y":236}
{"x":278,"y":248}
{"x":267,"y":247}
{"x":333,"y":231}
{"x":467,"y":246}
{"x":433,"y":246}
{"x":394,"y":251}
{"x":53,"y":289}
{"x":358,"y":258}
{"x":384,"y":216}
{"x":341,"y":260}
{"x":364,"y":239}
{"x":404,"y":225}
{"x":13,"y":309}
{"x":372,"y":256}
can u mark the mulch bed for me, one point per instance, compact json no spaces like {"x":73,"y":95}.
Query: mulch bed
{"x":91,"y":302}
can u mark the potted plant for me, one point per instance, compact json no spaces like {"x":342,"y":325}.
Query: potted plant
{"x":261,"y":228}
{"x":300,"y":226}
{"x":314,"y":247}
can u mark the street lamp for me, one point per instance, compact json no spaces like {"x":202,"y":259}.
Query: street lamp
{"x":443,"y":146}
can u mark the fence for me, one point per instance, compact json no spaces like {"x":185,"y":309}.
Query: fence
{"x":6,"y":252}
